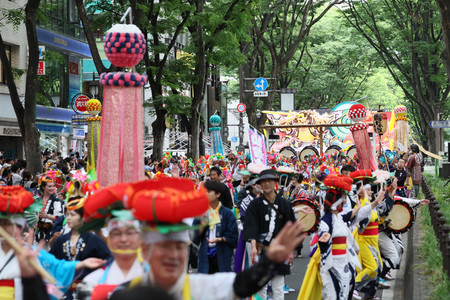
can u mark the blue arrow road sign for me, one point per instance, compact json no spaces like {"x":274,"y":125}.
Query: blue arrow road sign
{"x":234,"y":139}
{"x":440,"y":124}
{"x":261,"y":84}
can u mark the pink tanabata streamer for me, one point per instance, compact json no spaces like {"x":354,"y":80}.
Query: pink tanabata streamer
{"x":121,"y":149}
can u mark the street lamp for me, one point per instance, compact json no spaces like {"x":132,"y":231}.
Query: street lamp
{"x":93,"y":88}
{"x":224,"y":109}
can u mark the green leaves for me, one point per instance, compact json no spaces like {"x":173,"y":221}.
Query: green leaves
{"x":15,"y":17}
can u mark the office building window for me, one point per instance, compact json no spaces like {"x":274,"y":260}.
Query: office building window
{"x":2,"y":69}
{"x":62,"y":17}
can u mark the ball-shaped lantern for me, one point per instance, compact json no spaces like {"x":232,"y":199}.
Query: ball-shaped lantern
{"x":124,"y":45}
{"x":400,"y":111}
{"x":357,"y":113}
{"x":93,"y":107}
{"x":215,"y":120}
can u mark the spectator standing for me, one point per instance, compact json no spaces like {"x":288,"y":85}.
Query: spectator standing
{"x":414,"y":167}
{"x":401,"y":175}
{"x":16,"y":179}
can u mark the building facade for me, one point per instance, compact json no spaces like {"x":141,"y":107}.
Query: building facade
{"x":62,"y":48}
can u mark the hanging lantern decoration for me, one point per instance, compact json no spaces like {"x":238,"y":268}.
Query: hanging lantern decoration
{"x":216,"y":139}
{"x":401,"y":129}
{"x":357,"y":113}
{"x":380,"y":119}
{"x":121,"y":147}
{"x":93,"y":107}
{"x":124,"y":45}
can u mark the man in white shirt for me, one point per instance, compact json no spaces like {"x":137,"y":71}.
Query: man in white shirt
{"x":16,"y":178}
{"x":124,"y":241}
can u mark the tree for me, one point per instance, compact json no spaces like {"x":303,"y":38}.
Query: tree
{"x":444,"y":9}
{"x":26,"y":112}
{"x":407,"y":37}
{"x":280,"y":29}
{"x":162,"y":22}
{"x":332,"y":65}
{"x":214,"y":40}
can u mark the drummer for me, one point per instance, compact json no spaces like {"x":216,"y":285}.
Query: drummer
{"x":296,"y":189}
{"x":387,"y":243}
{"x":264,"y":218}
{"x":395,"y":238}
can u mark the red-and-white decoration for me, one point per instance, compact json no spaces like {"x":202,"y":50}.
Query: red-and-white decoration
{"x":357,"y":113}
{"x":400,"y":109}
{"x":359,"y":127}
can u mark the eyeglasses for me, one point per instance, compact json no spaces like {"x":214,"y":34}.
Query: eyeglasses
{"x":116,"y":234}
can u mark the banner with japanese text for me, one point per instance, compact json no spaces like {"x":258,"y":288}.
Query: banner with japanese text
{"x":257,"y":147}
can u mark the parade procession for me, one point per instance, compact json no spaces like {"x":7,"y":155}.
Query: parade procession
{"x":239,"y":187}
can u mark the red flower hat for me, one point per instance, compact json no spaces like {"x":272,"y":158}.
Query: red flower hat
{"x":341,"y":184}
{"x":14,"y":199}
{"x":365,"y":175}
{"x":165,"y":200}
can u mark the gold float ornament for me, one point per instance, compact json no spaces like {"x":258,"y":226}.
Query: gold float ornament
{"x":91,"y":119}
{"x":93,"y":107}
{"x":401,"y":119}
{"x":401,"y":129}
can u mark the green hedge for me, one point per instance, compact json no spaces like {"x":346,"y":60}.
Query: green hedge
{"x":438,"y":281}
{"x":441,"y":193}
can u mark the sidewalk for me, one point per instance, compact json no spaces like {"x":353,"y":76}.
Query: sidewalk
{"x":410,"y":280}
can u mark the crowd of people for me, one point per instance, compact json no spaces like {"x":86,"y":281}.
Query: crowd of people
{"x":236,"y":238}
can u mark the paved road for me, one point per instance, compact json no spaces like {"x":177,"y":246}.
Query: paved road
{"x":298,"y":272}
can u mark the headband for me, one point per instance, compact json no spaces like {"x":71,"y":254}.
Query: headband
{"x":76,"y":204}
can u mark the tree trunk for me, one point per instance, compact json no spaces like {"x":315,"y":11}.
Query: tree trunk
{"x":90,"y":38}
{"x":201,"y":72}
{"x":158,"y":130}
{"x":444,"y":9}
{"x":195,"y":137}
{"x":31,"y":138}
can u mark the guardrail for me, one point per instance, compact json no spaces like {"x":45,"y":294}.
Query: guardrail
{"x":440,"y":226}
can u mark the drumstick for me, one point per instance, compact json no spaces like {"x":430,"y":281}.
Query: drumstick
{"x":41,"y":271}
{"x":302,"y":218}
